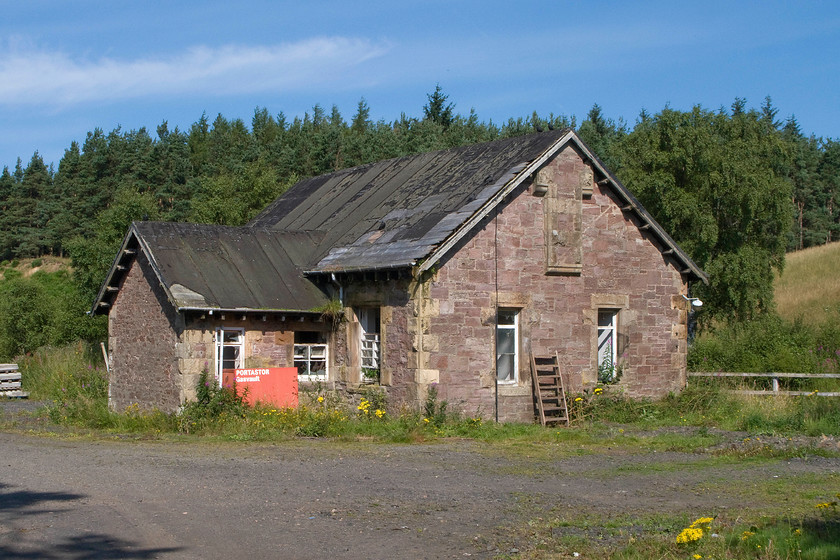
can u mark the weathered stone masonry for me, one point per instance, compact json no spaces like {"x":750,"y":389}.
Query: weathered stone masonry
{"x":143,"y":329}
{"x":620,"y":268}
{"x":533,"y":225}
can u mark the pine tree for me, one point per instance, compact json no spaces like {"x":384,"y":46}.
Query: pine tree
{"x":437,"y":109}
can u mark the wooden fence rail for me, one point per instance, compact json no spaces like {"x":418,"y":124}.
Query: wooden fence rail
{"x":774,"y":377}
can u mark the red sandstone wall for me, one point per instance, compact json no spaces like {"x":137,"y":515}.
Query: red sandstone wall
{"x":141,"y":340}
{"x":620,"y":267}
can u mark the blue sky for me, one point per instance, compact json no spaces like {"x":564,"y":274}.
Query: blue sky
{"x":68,"y":67}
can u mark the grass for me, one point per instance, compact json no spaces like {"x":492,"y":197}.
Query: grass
{"x":809,"y":287}
{"x":75,"y":382}
{"x":811,"y":535}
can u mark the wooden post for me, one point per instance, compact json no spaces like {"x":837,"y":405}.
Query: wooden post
{"x":105,"y":355}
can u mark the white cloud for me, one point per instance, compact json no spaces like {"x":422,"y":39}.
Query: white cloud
{"x":38,"y":77}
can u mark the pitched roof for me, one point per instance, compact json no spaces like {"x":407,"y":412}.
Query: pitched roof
{"x":205,"y":267}
{"x":396,"y":213}
{"x":393,"y":213}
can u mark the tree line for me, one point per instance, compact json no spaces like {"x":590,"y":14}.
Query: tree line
{"x":736,"y":187}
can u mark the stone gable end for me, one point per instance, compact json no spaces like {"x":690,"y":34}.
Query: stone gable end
{"x":557,"y":259}
{"x":143,"y":329}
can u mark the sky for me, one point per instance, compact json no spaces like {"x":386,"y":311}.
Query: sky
{"x":67,"y":68}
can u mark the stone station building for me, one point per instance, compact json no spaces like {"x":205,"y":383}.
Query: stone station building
{"x":444,"y":268}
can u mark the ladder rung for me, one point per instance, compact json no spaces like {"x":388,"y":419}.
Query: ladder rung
{"x":547,"y":386}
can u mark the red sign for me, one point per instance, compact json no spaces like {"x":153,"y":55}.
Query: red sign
{"x":274,"y":386}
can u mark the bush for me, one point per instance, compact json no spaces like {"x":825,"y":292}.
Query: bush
{"x":43,"y":310}
{"x":768,"y":344}
{"x":213,"y":404}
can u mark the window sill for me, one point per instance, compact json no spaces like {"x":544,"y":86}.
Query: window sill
{"x":513,"y":390}
{"x":311,"y":378}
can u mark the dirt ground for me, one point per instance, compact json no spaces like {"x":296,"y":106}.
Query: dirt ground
{"x":77,"y":498}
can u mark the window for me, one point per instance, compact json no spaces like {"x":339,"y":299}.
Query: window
{"x":229,"y":349}
{"x":369,"y":344}
{"x":607,"y":345}
{"x":507,"y":345}
{"x":311,"y":356}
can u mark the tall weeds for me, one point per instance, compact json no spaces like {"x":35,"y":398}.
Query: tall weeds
{"x":74,"y":382}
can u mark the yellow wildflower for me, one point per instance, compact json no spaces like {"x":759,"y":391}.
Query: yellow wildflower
{"x":598,"y":391}
{"x":578,"y":399}
{"x":320,"y":398}
{"x":697,"y":557}
{"x":690,"y":534}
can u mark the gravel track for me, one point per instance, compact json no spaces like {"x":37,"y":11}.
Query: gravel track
{"x":82,"y":498}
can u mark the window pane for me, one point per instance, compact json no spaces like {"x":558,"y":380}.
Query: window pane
{"x":231,"y":336}
{"x":507,"y":316}
{"x":504,"y":367}
{"x":318,"y":367}
{"x":606,"y":318}
{"x":230,"y":357}
{"x":506,"y":341}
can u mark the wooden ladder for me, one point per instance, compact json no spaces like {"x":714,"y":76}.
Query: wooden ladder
{"x":549,"y":394}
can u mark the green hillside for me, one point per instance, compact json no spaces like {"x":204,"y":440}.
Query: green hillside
{"x":809,"y":288}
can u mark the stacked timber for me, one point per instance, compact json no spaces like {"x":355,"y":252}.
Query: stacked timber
{"x":10,"y":382}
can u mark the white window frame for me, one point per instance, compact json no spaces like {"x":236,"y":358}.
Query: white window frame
{"x":514,"y":378}
{"x":306,"y":353}
{"x":370,"y":341}
{"x":608,"y":339}
{"x":221,"y":344}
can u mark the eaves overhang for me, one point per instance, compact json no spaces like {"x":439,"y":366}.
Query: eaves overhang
{"x":113,"y":281}
{"x":631,"y":204}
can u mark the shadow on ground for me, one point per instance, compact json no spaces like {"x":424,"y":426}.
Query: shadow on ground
{"x":19,"y":504}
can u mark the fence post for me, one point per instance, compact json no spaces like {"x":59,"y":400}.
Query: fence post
{"x":775,"y":384}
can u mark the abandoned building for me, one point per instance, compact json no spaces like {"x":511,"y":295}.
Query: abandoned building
{"x":446,"y":268}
